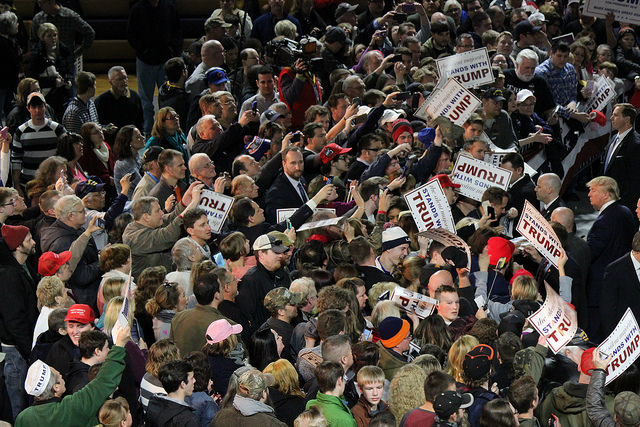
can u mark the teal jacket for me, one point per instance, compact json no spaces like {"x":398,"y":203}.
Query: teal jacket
{"x":81,"y":408}
{"x":336,"y":412}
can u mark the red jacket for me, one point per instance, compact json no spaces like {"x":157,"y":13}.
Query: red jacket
{"x":93,"y":166}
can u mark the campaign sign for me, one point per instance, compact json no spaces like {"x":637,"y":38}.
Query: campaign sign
{"x":448,"y":238}
{"x":475,"y":176}
{"x":123,"y":315}
{"x":624,"y":11}
{"x":217,"y":207}
{"x":470,"y":69}
{"x":285,"y":214}
{"x":413,"y":301}
{"x":533,"y":227}
{"x":452,"y":101}
{"x":604,"y":92}
{"x":429,"y":207}
{"x":555,"y":320}
{"x":622,"y":346}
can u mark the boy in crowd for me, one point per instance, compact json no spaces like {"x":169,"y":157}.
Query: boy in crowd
{"x":371,"y":385}
{"x":331,"y":382}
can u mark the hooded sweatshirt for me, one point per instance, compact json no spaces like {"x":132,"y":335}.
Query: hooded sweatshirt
{"x":164,"y":411}
{"x":247,"y":412}
{"x":568,"y":403}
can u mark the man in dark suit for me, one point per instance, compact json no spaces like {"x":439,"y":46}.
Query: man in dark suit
{"x":521,"y":188}
{"x":315,"y":138}
{"x":289,"y":188}
{"x":548,"y":192}
{"x":623,"y":288}
{"x":609,"y":238}
{"x":370,"y":146}
{"x":623,"y":155}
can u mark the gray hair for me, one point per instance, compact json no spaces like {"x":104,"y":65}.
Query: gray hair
{"x":287,"y":29}
{"x":182,"y":250}
{"x":553,"y":181}
{"x":450,"y":3}
{"x":302,"y":286}
{"x":48,"y":392}
{"x":143,"y":205}
{"x":66,"y":205}
{"x":526,"y":54}
{"x":204,"y":121}
{"x":349,"y":81}
{"x":219,"y":94}
{"x":115,"y":69}
{"x":7,"y":21}
{"x":196,"y":160}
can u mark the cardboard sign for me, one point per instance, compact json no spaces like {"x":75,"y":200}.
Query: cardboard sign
{"x":604,"y":92}
{"x":217,"y":207}
{"x":533,"y":227}
{"x":448,"y":238}
{"x":452,"y":101}
{"x":413,"y":301}
{"x":623,"y":346}
{"x":475,"y":176}
{"x":470,"y":69}
{"x":123,"y":315}
{"x":320,"y":224}
{"x":429,"y":207}
{"x":556,"y":320}
{"x":285,"y":214}
{"x":624,"y":11}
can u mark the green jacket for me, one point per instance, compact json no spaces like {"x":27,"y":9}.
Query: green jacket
{"x":80,"y":408}
{"x":389,"y":363}
{"x":189,"y":327}
{"x":336,"y":412}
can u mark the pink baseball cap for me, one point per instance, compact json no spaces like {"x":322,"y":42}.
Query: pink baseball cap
{"x":220,"y":330}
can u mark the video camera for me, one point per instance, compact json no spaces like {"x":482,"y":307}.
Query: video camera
{"x":285,"y":52}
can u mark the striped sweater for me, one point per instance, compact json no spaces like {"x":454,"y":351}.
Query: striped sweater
{"x":32,"y":144}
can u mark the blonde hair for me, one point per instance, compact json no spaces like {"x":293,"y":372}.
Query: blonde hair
{"x":406,"y":390}
{"x":48,"y":289}
{"x":44,"y":28}
{"x":161,"y":352}
{"x":112,"y":288}
{"x":608,"y":184}
{"x":111,"y":313}
{"x":286,"y":377}
{"x":377,"y":290}
{"x":524,"y":287}
{"x":113,"y":412}
{"x":312,"y":417}
{"x":456,"y":355}
{"x":382,"y":310}
{"x":370,"y":375}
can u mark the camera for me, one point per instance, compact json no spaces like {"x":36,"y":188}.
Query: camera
{"x":285,"y":52}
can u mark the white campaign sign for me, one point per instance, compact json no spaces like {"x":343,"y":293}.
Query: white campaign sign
{"x":429,"y":207}
{"x":556,"y":320}
{"x":452,"y":101}
{"x":447,"y":238}
{"x":623,"y":346}
{"x":217,"y":207}
{"x":470,"y":69}
{"x":285,"y":214}
{"x":475,"y":176}
{"x":533,"y":227}
{"x":624,"y":11}
{"x":604,"y":92}
{"x":413,"y":301}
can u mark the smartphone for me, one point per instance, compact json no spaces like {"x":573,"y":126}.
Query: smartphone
{"x":289,"y":226}
{"x":396,"y":58}
{"x":488,"y":209}
{"x":402,"y":96}
{"x":382,"y":33}
{"x":366,"y":334}
{"x":409,"y":7}
{"x":408,"y":164}
{"x":4,"y":132}
{"x":254,"y":106}
{"x":296,"y":137}
{"x":355,"y":101}
{"x":399,"y":17}
{"x":415,"y":100}
{"x":554,"y":421}
{"x":329,"y":180}
{"x":100,"y":222}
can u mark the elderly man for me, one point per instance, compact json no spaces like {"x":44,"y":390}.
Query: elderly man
{"x":152,"y":233}
{"x":171,"y":181}
{"x":523,"y":76}
{"x":245,"y":165}
{"x":609,"y":238}
{"x":203,"y":169}
{"x":548,"y":192}
{"x":58,"y":238}
{"x":353,"y":87}
{"x":120,"y":105}
{"x":244,"y":186}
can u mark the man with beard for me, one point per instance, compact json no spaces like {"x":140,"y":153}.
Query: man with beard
{"x":395,"y":246}
{"x":18,"y":307}
{"x":524,"y":77}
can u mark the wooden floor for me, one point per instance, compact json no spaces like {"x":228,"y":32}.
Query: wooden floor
{"x":102,"y":83}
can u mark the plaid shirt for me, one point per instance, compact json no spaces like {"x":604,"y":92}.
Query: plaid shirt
{"x":70,"y":27}
{"x":79,"y":113}
{"x":563,"y":83}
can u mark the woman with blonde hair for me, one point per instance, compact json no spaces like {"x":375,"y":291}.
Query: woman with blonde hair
{"x":168,"y":300}
{"x":51,"y":294}
{"x":161,"y":352}
{"x":312,"y":417}
{"x":166,"y":133}
{"x":286,"y":396}
{"x":456,"y":357}
{"x":407,"y":390}
{"x":115,"y":413}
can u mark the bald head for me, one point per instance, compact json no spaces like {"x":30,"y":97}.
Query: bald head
{"x":442,"y":277}
{"x":564,"y":216}
{"x":212,"y":53}
{"x":548,"y":187}
{"x":438,"y":16}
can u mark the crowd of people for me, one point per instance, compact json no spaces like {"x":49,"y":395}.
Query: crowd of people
{"x":126,"y":301}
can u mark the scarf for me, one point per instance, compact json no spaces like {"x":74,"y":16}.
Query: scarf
{"x":102,"y":154}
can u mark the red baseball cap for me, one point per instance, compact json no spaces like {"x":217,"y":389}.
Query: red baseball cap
{"x":331,"y":151}
{"x":445,"y":181}
{"x":50,"y":262}
{"x":499,"y":247}
{"x":521,"y":272}
{"x":80,"y":313}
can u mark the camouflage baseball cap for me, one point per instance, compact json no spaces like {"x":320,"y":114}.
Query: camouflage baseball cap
{"x":253,"y":382}
{"x":280,"y":297}
{"x":522,"y":360}
{"x":627,"y":408}
{"x":281,"y":236}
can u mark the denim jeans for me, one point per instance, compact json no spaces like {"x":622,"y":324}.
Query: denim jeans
{"x":15,"y":372}
{"x":149,"y":76}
